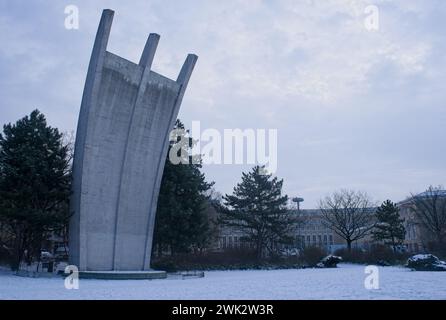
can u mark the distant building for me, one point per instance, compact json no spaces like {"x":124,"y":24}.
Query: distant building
{"x":417,"y":237}
{"x":313,"y":232}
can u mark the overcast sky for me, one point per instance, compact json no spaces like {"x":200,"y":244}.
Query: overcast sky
{"x":354,"y":108}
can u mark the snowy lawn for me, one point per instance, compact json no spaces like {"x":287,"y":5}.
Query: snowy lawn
{"x":345,"y":282}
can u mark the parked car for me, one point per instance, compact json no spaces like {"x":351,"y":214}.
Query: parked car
{"x":45,"y":256}
{"x":61,"y":253}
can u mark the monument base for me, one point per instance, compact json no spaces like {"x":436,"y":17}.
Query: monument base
{"x":123,"y":275}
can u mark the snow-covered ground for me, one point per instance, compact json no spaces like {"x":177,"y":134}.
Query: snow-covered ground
{"x":345,"y":282}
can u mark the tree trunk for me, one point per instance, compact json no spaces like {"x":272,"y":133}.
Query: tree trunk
{"x":160,"y":250}
{"x":349,"y":245}
{"x":259,"y":250}
{"x":440,"y":238}
{"x":19,"y":248}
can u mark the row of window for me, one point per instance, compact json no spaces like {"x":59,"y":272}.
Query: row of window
{"x":236,"y":242}
{"x":300,"y":241}
{"x":233,"y":242}
{"x":410,"y":231}
{"x":413,"y":247}
{"x":314,"y":227}
{"x":315,"y":239}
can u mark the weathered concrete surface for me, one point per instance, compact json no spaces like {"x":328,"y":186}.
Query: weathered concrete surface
{"x":126,"y":115}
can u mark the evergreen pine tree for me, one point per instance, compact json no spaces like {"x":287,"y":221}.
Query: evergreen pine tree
{"x":258,"y":208}
{"x":390,"y":226}
{"x":34,"y":184}
{"x":181,"y":220}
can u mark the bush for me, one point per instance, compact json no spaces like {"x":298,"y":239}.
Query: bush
{"x":380,"y":254}
{"x":354,"y":256}
{"x":206,"y":261}
{"x":310,"y":256}
{"x":168,"y":264}
{"x":230,"y":259}
{"x":5,"y":257}
{"x":377,"y":254}
{"x":426,"y":262}
{"x":438,"y":249}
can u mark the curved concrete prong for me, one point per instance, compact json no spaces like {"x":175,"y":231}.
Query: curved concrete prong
{"x":186,"y":70}
{"x":91,"y":89}
{"x":149,"y":50}
{"x":182,"y":80}
{"x":103,"y":32}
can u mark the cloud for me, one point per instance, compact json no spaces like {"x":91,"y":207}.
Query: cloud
{"x":318,"y":51}
{"x":342,"y":97}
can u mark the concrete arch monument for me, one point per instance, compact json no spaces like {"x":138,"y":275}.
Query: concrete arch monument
{"x":126,"y":115}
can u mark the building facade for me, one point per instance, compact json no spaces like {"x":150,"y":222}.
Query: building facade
{"x":311,"y":232}
{"x":314,"y":232}
{"x":417,"y":237}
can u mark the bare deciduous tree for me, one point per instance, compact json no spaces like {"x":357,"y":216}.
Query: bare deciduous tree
{"x":350,"y":214}
{"x":430,"y":209}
